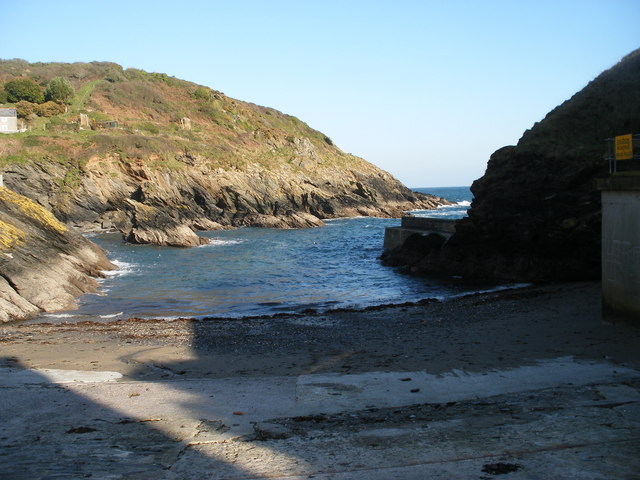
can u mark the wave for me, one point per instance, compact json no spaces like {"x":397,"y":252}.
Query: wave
{"x":61,"y":315}
{"x":218,"y":242}
{"x":122,"y":268}
{"x":463,"y":203}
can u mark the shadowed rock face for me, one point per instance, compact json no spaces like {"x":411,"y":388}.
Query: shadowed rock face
{"x":43,"y":265}
{"x":536,"y":212}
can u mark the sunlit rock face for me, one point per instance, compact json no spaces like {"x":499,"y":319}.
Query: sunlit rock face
{"x":43,"y":265}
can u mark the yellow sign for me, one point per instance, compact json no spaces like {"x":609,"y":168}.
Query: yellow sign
{"x":624,"y":147}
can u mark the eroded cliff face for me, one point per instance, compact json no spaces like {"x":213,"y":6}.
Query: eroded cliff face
{"x":536,"y":212}
{"x":150,"y":203}
{"x":43,"y":265}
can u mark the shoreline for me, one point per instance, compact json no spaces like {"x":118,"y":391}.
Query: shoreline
{"x":459,"y":333}
{"x":529,"y":379}
{"x":41,"y":320}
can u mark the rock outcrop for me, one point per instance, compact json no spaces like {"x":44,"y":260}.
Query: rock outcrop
{"x":536,"y":212}
{"x":151,"y":204}
{"x":43,"y":265}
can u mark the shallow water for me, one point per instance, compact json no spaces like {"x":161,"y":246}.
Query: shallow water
{"x":254,"y":271}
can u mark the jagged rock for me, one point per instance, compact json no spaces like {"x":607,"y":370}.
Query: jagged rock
{"x":43,"y":265}
{"x":177,"y":236}
{"x":151,"y":205}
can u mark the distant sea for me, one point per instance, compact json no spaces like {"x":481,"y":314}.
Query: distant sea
{"x":258,"y":271}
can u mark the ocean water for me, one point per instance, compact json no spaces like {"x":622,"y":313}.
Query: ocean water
{"x":461,"y":196}
{"x":256,"y":271}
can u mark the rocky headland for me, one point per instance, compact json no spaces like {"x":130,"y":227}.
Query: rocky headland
{"x":44,"y":266}
{"x":536,"y":212}
{"x":160,"y":158}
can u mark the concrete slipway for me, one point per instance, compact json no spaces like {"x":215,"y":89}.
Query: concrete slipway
{"x":556,"y":419}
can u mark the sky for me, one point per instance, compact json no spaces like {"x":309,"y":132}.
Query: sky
{"x":426,"y":90}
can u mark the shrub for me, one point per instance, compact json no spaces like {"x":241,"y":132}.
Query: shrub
{"x":114,"y":75}
{"x":203,"y":93}
{"x":23,"y":89}
{"x":49,"y":109}
{"x":59,"y":90}
{"x":135,"y":74}
{"x":25,"y":109}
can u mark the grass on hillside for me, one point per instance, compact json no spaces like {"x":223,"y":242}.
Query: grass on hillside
{"x":226,"y":133}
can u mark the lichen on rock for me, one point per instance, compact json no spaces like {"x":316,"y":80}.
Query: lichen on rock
{"x":43,"y":265}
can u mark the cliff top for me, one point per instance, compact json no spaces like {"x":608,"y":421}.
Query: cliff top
{"x":137,"y":114}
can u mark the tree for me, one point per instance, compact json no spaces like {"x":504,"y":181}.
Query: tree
{"x":23,"y":89}
{"x":59,"y":90}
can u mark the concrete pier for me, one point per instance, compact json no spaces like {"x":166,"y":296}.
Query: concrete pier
{"x":621,"y":247}
{"x":396,"y":236}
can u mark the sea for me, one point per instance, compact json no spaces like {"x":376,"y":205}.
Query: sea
{"x":263,"y":271}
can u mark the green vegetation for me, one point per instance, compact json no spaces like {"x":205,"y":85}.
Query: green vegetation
{"x":59,"y":90}
{"x":49,"y":109}
{"x":23,"y":89}
{"x":148,"y":107}
{"x":82,"y":95}
{"x":203,"y":93}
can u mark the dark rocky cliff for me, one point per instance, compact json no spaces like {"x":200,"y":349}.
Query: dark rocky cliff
{"x":43,"y":265}
{"x":536,"y":212}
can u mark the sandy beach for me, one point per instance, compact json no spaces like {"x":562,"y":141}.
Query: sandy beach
{"x":474,"y":333}
{"x":545,"y":347}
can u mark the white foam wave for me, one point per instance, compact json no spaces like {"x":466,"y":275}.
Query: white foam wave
{"x":218,"y":242}
{"x":60,"y":315}
{"x":112,"y":315}
{"x":122,"y":268}
{"x":464,"y":203}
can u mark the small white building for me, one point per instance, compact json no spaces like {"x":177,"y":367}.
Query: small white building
{"x":8,"y":120}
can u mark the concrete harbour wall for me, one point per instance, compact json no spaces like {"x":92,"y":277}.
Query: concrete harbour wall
{"x":621,"y":248}
{"x":396,"y":236}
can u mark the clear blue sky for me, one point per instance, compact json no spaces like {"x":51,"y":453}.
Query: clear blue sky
{"x":426,"y":90}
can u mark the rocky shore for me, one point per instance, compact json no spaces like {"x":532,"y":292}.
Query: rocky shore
{"x":44,"y":266}
{"x":528,"y":383}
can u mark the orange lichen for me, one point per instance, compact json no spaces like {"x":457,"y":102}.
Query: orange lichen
{"x":32,"y":209}
{"x":10,"y":235}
